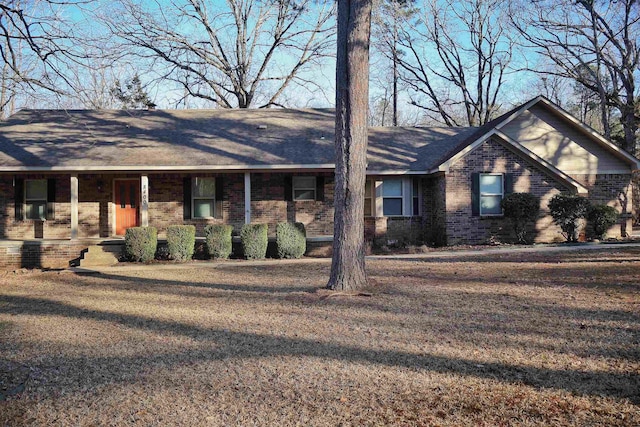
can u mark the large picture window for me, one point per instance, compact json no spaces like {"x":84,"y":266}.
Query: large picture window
{"x":491,"y":194}
{"x":35,"y":198}
{"x":203,"y":193}
{"x":304,"y":188}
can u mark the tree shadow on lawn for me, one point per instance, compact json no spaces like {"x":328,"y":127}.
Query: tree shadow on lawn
{"x":476,"y":311}
{"x":558,"y":275}
{"x":142,"y":284}
{"x":230,"y":344}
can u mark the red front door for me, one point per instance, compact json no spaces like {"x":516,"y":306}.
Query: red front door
{"x":127,"y":204}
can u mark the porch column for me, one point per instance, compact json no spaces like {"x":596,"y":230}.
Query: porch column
{"x":247,"y":197}
{"x":144,"y":200}
{"x":74,"y":206}
{"x":378,"y":201}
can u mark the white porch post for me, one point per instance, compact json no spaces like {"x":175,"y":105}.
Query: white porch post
{"x":378,"y":201}
{"x":144,"y":200}
{"x":74,"y":206}
{"x":247,"y":197}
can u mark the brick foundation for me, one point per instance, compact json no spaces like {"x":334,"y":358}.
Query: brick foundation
{"x":39,"y":254}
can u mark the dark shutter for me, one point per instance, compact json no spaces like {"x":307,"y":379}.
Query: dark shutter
{"x":320,"y":188}
{"x":219,"y":197}
{"x":475,"y":194}
{"x":186,"y":192}
{"x":288,"y":188}
{"x":51,"y":198}
{"x":508,"y":183}
{"x":19,"y":198}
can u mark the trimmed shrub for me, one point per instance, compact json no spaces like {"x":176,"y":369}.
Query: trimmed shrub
{"x":219,"y":243}
{"x":254,"y":240}
{"x":291,"y":239}
{"x":181,"y":241}
{"x":140,"y":243}
{"x":522,"y":209}
{"x":567,"y":210}
{"x":602,"y":217}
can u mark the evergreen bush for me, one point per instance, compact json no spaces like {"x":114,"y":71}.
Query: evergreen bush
{"x":181,"y":241}
{"x":567,"y":210}
{"x":522,"y":209}
{"x":218,"y":238}
{"x":602,"y":217}
{"x":254,"y":240}
{"x":140,"y":243}
{"x":291,"y":239}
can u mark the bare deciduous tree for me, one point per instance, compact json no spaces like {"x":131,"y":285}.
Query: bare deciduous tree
{"x":455,"y":55}
{"x":352,"y":97}
{"x":595,"y":43}
{"x":387,"y":18}
{"x":39,"y":48}
{"x":223,"y":52}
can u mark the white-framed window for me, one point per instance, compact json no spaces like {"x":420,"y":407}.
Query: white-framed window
{"x":203,"y":194}
{"x":491,"y":193}
{"x":35,"y":198}
{"x":369,"y":197}
{"x":392,"y":197}
{"x":304,"y":188}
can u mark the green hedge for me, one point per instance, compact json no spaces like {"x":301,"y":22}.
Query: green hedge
{"x":181,"y":241}
{"x":140,"y":243}
{"x":567,"y":210}
{"x":522,"y":209}
{"x":291,"y":239}
{"x":218,"y":237}
{"x":254,"y":240}
{"x":602,"y":217}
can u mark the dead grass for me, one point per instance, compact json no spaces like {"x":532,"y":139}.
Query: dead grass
{"x":506,"y":339}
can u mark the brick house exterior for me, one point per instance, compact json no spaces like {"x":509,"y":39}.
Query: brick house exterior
{"x":425,"y":184}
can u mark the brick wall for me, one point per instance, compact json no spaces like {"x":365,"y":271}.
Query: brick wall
{"x":636,"y":197}
{"x":434,"y":210}
{"x":166,"y":202}
{"x":614,"y":190}
{"x":95,"y":209}
{"x":493,"y":156}
{"x":57,"y":228}
{"x":39,"y":254}
{"x":268,"y":204}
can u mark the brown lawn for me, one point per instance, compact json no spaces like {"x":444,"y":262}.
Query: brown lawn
{"x":535,"y":339}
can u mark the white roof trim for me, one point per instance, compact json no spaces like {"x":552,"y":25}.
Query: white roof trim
{"x":581,"y":189}
{"x":396,"y":172}
{"x":586,"y":129}
{"x":134,"y":168}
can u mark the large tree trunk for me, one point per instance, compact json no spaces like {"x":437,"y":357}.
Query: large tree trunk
{"x":352,"y":98}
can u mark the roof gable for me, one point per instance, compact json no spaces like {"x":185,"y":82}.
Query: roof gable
{"x":503,"y":122}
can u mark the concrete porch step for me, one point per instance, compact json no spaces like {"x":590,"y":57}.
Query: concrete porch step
{"x":100,"y":255}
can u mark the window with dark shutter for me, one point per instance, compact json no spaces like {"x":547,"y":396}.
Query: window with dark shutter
{"x":304,"y":188}
{"x":491,"y":193}
{"x":186,"y":199}
{"x":35,"y":198}
{"x":51,"y":198}
{"x":219,"y":198}
{"x":19,"y":199}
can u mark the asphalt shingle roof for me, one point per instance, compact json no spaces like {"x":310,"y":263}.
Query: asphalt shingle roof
{"x":202,"y":138}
